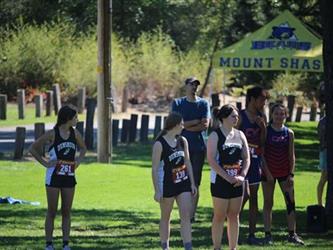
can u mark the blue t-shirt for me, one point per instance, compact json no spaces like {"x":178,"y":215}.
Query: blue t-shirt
{"x":192,"y":111}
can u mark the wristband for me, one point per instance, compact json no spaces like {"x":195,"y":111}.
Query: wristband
{"x":291,"y":174}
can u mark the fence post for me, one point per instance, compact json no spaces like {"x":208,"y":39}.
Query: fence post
{"x":133,"y":127}
{"x":125,"y":130}
{"x":115,"y":132}
{"x":291,"y":104}
{"x":38,"y":105}
{"x":56,"y":97}
{"x":3,"y":107}
{"x":313,"y":112}
{"x":299,"y":111}
{"x":215,"y":100}
{"x":144,"y":128}
{"x":49,"y":102}
{"x":21,"y":103}
{"x":158,"y":125}
{"x":39,"y":131}
{"x":81,"y":100}
{"x":19,"y":143}
{"x":80,"y":127}
{"x":239,"y":105}
{"x":89,"y":134}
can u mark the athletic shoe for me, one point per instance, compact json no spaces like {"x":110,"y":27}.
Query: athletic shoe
{"x":252,"y":240}
{"x":49,"y":247}
{"x":66,"y":247}
{"x":295,"y":239}
{"x":268,"y":240}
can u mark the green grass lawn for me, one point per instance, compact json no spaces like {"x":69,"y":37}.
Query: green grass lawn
{"x":30,"y":117}
{"x":114,"y":207}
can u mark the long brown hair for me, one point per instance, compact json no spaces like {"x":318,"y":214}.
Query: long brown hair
{"x":171,"y":121}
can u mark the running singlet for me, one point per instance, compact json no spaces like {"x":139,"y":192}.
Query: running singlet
{"x":277,"y":151}
{"x":252,"y":134}
{"x":173,"y":163}
{"x":64,"y":152}
{"x":229,"y":153}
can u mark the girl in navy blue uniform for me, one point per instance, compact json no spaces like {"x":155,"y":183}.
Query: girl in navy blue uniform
{"x":173,"y":179}
{"x":61,"y":164}
{"x":228,"y":156}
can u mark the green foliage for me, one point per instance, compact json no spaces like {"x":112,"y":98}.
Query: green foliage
{"x":32,"y":56}
{"x":286,"y":84}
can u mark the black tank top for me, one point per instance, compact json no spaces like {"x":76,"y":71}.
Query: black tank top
{"x":229,"y":154}
{"x":64,"y":149}
{"x":173,"y":160}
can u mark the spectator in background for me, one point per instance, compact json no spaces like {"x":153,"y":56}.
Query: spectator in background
{"x":195,"y":113}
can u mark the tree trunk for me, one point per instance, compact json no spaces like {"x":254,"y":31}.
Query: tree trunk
{"x":209,"y":68}
{"x":327,"y":23}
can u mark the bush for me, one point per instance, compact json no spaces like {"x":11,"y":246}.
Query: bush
{"x":38,"y":56}
{"x":32,"y":56}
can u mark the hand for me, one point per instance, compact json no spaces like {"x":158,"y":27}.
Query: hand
{"x":260,"y":121}
{"x":239,"y":180}
{"x":194,"y":190}
{"x":158,"y":197}
{"x":51,"y":163}
{"x":231,"y":179}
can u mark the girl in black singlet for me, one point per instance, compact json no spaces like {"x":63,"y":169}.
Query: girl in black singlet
{"x":60,"y":170}
{"x":228,"y":156}
{"x":173,"y":179}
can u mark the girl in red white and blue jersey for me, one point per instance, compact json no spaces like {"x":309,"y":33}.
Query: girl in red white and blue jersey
{"x":279,"y":160}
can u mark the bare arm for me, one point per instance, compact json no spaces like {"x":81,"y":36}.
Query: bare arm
{"x":291,"y":151}
{"x":156,"y":156}
{"x":261,"y":121}
{"x":198,"y":125}
{"x":34,"y":149}
{"x":245,"y":155}
{"x":82,"y":145}
{"x":211,"y":157}
{"x":189,"y":166}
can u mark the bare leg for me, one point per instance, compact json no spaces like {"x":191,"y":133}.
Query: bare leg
{"x":253,"y":207}
{"x":289,"y":197}
{"x":184,"y":206}
{"x":195,"y":200}
{"x":234,"y":208}
{"x":320,"y":187}
{"x":52,"y":195}
{"x":166,"y":207}
{"x":220,"y":207}
{"x":268,"y":191}
{"x":67,"y":195}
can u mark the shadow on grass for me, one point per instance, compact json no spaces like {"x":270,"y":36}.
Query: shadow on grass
{"x":126,"y":229}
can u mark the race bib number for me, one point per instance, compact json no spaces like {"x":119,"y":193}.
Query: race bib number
{"x":232,"y":170}
{"x":65,"y":168}
{"x":179,"y":174}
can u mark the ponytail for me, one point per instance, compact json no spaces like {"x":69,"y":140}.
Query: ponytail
{"x":160,"y":134}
